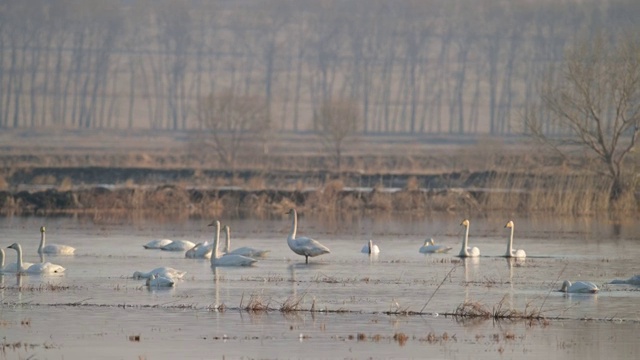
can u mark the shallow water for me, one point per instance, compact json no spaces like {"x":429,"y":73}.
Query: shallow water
{"x":96,"y":306}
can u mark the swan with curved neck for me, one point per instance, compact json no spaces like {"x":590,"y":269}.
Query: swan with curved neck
{"x":370,"y":248}
{"x":304,"y":246}
{"x":164,"y":271}
{"x":579,"y":287}
{"x":200,"y":251}
{"x":39,"y":268}
{"x":226,"y":260}
{"x":519,"y":253}
{"x":245,"y":250}
{"x":431,"y":247}
{"x":467,"y":251}
{"x":53,"y":248}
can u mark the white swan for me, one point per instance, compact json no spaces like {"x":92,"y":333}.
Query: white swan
{"x":53,"y":248}
{"x":370,"y":248}
{"x":164,"y":271}
{"x":38,"y":268}
{"x":229,"y":259}
{"x":10,"y":268}
{"x":303,"y":245}
{"x":467,"y":251}
{"x":634,"y":280}
{"x":431,"y":247}
{"x":519,"y":253}
{"x":178,"y":245}
{"x":157,"y":244}
{"x":580,"y":287}
{"x":156,"y":281}
{"x":245,"y":250}
{"x":201,"y":250}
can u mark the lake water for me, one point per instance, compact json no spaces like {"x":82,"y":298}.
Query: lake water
{"x":96,"y":310}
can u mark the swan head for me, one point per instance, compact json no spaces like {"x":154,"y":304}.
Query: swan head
{"x":465,"y":222}
{"x":14,"y":246}
{"x":137,"y":275}
{"x":42,"y":229}
{"x":565,"y":286}
{"x":291,"y":211}
{"x":509,"y":224}
{"x":215,"y":223}
{"x":431,"y":241}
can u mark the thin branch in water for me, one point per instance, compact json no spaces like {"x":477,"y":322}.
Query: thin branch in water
{"x":436,"y":290}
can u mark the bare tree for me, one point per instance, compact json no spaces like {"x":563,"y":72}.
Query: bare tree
{"x":595,"y":103}
{"x":232,"y":122}
{"x":337,"y":121}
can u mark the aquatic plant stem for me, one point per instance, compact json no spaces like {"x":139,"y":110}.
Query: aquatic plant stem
{"x":436,"y":290}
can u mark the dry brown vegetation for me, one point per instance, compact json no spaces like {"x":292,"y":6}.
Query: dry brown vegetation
{"x":170,"y":180}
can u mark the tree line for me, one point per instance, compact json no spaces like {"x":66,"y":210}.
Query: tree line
{"x":432,"y":66}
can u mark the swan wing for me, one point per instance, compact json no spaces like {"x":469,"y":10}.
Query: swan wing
{"x":233,"y":260}
{"x":249,"y":252}
{"x":583,"y":287}
{"x":308,"y":247}
{"x":157,"y":243}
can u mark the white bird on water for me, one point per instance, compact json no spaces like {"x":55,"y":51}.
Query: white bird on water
{"x":467,"y":251}
{"x":230,"y":259}
{"x":634,"y":280}
{"x":245,"y":250}
{"x":304,"y":246}
{"x":164,"y":271}
{"x":519,"y":253}
{"x":38,"y":268}
{"x":157,"y":244}
{"x":200,"y":251}
{"x":178,"y":245}
{"x":10,"y":268}
{"x":157,"y":281}
{"x":370,"y":248}
{"x":53,"y":248}
{"x":431,"y":247}
{"x":579,"y":287}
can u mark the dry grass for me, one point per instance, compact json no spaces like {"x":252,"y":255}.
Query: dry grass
{"x":474,"y":309}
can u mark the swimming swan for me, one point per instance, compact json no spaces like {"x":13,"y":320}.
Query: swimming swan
{"x":510,"y":251}
{"x":38,"y":268}
{"x":200,"y":251}
{"x":10,"y":268}
{"x":467,"y":251}
{"x":164,"y":271}
{"x":226,"y":260}
{"x":370,"y":248}
{"x":178,"y":245}
{"x":580,"y":287}
{"x":157,"y":281}
{"x":157,"y":244}
{"x":303,"y":245}
{"x":430,"y":247}
{"x":634,"y":280}
{"x":245,"y":250}
{"x":53,"y":248}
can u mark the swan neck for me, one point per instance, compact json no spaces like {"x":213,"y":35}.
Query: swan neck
{"x":216,"y":240}
{"x":227,"y":234}
{"x":1,"y":258}
{"x":465,"y":241}
{"x":42,"y":241}
{"x":294,"y":224}
{"x":370,"y":245}
{"x":19,"y":261}
{"x":510,"y":243}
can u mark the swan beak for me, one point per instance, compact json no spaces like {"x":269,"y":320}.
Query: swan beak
{"x":212,"y":224}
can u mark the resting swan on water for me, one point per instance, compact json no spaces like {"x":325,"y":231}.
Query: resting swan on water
{"x":157,"y":244}
{"x":370,"y":248}
{"x":430,"y":247}
{"x":634,"y":280}
{"x":200,"y":251}
{"x":245,"y":250}
{"x":38,"y":268}
{"x":510,"y":251}
{"x":579,"y":287}
{"x":157,"y":281}
{"x":53,"y":248}
{"x":230,"y":259}
{"x":467,"y":251}
{"x":304,"y":246}
{"x":178,"y":245}
{"x":164,"y":271}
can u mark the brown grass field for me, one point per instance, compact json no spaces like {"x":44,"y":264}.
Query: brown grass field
{"x":156,"y":173}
